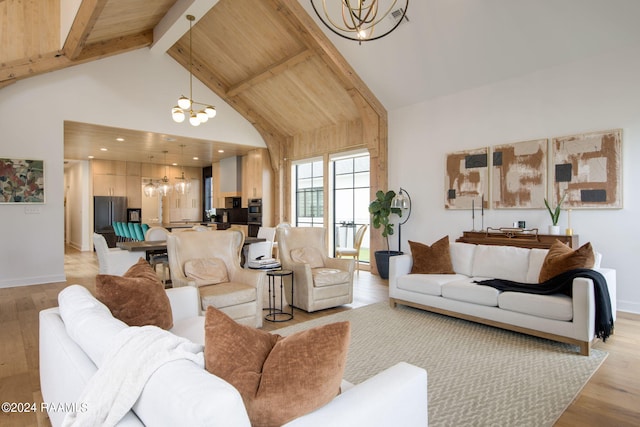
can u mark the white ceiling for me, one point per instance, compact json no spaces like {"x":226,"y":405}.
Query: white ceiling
{"x":454,"y":45}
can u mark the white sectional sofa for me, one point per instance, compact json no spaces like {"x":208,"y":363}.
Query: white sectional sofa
{"x":557,"y":317}
{"x":181,"y":392}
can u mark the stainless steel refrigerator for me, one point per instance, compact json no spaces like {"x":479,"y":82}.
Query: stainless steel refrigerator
{"x":106,"y":210}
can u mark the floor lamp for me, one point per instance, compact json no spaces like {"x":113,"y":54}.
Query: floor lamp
{"x":402,"y":201}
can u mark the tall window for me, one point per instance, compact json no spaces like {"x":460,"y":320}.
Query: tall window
{"x":309,"y":194}
{"x":207,"y":191}
{"x":351,"y":200}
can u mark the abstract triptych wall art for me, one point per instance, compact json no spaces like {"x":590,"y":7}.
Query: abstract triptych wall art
{"x":466,"y":178}
{"x":587,"y":168}
{"x":519,"y":175}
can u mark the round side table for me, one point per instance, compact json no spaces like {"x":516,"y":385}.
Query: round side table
{"x":275,"y":312}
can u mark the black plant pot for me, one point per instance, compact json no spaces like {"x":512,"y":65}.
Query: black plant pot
{"x":382,"y":261}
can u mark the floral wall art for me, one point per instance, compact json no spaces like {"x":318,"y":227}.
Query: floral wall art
{"x":588,"y":169}
{"x":21,"y":181}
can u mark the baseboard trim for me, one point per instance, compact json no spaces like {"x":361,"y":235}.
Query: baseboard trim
{"x":29,"y":281}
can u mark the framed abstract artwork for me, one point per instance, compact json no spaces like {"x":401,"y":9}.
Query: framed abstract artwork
{"x":588,"y":169}
{"x":519,"y":175}
{"x":21,"y":181}
{"x":466,"y":178}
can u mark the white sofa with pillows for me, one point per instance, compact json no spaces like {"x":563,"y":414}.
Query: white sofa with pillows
{"x":76,"y":337}
{"x":558,"y":317}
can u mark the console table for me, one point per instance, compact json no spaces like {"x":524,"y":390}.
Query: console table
{"x":515,"y":237}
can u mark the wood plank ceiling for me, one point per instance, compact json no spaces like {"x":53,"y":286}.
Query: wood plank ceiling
{"x":266,"y":58}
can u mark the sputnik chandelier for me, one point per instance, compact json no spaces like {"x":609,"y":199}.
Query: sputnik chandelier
{"x":361,"y":20}
{"x":185,"y":105}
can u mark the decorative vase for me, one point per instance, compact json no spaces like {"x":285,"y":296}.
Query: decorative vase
{"x":382,"y":261}
{"x":554,"y":229}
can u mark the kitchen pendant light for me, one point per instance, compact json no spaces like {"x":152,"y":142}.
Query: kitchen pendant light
{"x":165,"y":187}
{"x":182,"y":185}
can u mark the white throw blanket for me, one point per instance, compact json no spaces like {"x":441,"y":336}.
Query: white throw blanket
{"x":137,"y":353}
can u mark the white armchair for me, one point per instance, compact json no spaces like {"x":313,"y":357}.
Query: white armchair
{"x":114,"y":261}
{"x":210,"y":262}
{"x":320,"y":281}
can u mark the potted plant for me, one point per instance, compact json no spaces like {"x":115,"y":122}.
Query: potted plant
{"x":381,"y":210}
{"x":555,"y":215}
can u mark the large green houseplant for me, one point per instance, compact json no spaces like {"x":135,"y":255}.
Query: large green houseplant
{"x":381,"y":211}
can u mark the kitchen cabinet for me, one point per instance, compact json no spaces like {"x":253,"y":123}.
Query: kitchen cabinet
{"x":185,"y":207}
{"x":255,"y":175}
{"x":110,"y":185}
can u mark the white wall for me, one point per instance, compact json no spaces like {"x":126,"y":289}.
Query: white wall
{"x":77,"y":208}
{"x":134,"y":91}
{"x":596,"y":94}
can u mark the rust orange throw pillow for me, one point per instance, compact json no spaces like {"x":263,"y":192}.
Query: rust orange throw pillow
{"x":279,"y":378}
{"x":434,"y":259}
{"x":137,"y":298}
{"x":561,"y":258}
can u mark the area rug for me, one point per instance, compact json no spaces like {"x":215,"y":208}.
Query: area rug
{"x":477,"y":375}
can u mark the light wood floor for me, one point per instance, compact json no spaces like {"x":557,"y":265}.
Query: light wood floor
{"x":611,"y":397}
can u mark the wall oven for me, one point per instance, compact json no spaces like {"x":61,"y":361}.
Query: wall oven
{"x":254,"y":211}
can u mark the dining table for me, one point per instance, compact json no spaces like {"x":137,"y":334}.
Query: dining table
{"x":154,"y":246}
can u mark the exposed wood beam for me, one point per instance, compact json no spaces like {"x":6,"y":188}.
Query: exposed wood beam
{"x":305,"y":27}
{"x":18,"y":70}
{"x":270,"y":71}
{"x":116,"y":46}
{"x":86,"y":18}
{"x":174,"y":25}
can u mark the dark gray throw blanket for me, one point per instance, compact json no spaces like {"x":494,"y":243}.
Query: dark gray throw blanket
{"x":563,"y":283}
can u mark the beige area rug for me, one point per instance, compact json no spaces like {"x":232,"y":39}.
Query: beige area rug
{"x":478,"y":375}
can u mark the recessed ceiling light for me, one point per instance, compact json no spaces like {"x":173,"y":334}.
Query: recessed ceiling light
{"x":103,"y":149}
{"x":195,"y":158}
{"x":120,"y":139}
{"x":220,"y":151}
{"x":174,"y":164}
{"x":91,"y":157}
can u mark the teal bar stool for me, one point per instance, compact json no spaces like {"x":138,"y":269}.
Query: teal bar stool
{"x":132,"y":230}
{"x":125,"y":231}
{"x":116,"y":229}
{"x":145,"y":227}
{"x":137,"y":228}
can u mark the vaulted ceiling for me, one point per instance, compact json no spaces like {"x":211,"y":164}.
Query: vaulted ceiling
{"x":266,"y":58}
{"x":272,"y":63}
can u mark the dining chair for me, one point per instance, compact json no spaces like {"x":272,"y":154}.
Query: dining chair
{"x":159,"y":257}
{"x":114,"y":261}
{"x":355,"y":250}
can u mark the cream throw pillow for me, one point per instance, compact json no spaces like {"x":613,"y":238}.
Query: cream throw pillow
{"x":309,"y":255}
{"x":206,"y":271}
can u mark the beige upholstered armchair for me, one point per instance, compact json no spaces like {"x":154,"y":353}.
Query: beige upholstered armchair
{"x":210,"y":261}
{"x":320,"y":282}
